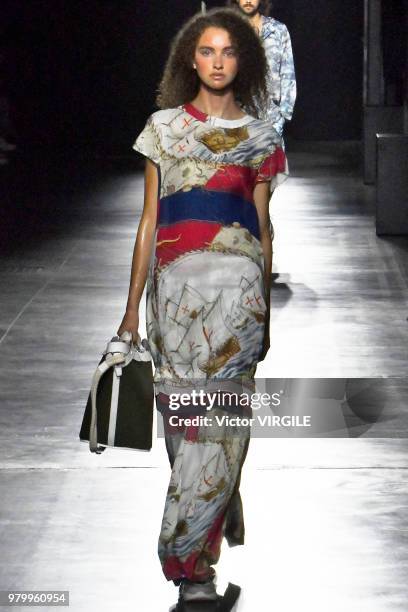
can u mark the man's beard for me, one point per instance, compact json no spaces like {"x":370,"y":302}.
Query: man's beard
{"x":251,"y":13}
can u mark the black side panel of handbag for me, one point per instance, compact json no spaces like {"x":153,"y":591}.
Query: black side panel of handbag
{"x":134,"y":421}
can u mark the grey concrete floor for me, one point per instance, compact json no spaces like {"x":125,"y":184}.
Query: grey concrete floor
{"x":326,"y":518}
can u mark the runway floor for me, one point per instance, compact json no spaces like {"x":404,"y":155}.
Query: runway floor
{"x":326,"y":518}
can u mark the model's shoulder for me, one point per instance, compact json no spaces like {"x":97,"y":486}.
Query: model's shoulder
{"x":265,"y":131}
{"x":261,"y":124}
{"x":164,"y":116}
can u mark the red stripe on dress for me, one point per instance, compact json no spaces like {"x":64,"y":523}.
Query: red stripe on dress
{"x":239,"y":180}
{"x":179,"y":238}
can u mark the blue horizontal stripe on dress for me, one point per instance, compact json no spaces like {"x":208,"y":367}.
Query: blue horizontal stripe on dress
{"x":205,"y":205}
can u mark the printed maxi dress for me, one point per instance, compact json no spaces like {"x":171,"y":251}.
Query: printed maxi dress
{"x":205,"y":315}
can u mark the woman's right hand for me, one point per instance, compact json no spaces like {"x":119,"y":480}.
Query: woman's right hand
{"x":130,"y":323}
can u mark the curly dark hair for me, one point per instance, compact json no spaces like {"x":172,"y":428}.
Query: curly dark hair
{"x":265,"y":6}
{"x":180,"y":83}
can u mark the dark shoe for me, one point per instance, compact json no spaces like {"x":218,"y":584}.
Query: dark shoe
{"x":196,"y":606}
{"x":223,"y":603}
{"x":230,"y":598}
{"x":198,"y":591}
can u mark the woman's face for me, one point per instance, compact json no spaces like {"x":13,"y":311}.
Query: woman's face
{"x":216,"y":58}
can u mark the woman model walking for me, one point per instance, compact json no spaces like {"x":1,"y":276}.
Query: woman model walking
{"x":203,"y":249}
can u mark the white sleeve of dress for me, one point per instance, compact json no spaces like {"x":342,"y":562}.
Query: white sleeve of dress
{"x":148,"y":142}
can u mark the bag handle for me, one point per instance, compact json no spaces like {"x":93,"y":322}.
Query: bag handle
{"x":127,"y":336}
{"x":141,"y":345}
{"x":110,"y":361}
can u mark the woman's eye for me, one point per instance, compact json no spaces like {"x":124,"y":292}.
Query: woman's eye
{"x":230,"y":53}
{"x":205,"y":52}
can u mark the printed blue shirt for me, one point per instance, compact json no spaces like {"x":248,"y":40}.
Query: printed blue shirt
{"x":281,"y":79}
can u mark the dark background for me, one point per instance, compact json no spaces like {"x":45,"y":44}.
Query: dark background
{"x":82,"y":75}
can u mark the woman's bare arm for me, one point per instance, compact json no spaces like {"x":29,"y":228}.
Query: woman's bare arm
{"x":142,"y":250}
{"x":262,"y":196}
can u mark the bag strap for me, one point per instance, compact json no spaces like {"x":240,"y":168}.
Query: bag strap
{"x":109,"y":362}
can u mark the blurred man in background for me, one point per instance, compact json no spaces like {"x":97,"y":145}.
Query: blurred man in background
{"x":278,"y":49}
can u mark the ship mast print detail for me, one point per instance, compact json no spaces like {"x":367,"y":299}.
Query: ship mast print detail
{"x":250,"y":305}
{"x":198,"y":336}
